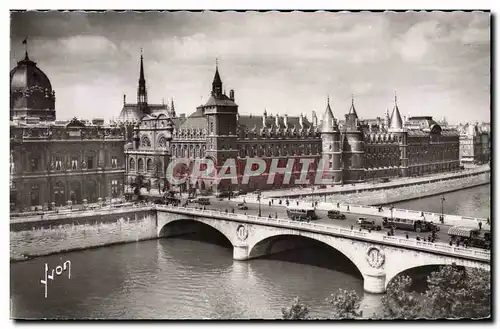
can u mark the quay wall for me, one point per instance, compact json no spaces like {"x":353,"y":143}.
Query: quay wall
{"x":405,"y":193}
{"x":397,"y":190}
{"x":80,"y":230}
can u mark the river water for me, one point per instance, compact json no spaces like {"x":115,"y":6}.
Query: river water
{"x":185,"y":278}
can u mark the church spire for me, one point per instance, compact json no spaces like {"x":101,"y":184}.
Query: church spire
{"x":352,"y":109}
{"x":142,"y":95}
{"x":217,"y":83}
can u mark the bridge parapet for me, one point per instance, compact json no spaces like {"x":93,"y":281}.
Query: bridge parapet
{"x":375,"y":237}
{"x":396,"y":212}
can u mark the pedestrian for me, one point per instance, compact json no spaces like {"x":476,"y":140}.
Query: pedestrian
{"x":407,"y":236}
{"x":269,"y":216}
{"x":352,"y":227}
{"x":226,"y":211}
{"x":269,"y":203}
{"x":338,"y":204}
{"x":451,"y":243}
{"x":272,"y":201}
{"x":276,"y":216}
{"x":347,"y":207}
{"x":297,"y":203}
{"x":480,"y":225}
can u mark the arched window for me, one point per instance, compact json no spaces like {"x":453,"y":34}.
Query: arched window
{"x":132,"y":164}
{"x":149,"y":165}
{"x":162,"y":141}
{"x":145,"y":142}
{"x":140,"y":165}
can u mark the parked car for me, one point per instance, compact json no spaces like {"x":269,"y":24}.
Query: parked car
{"x":242,"y":206}
{"x":335,"y":214}
{"x":203,"y":201}
{"x":368,"y":224}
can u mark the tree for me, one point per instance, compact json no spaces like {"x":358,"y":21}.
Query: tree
{"x":296,"y":311}
{"x":345,"y":304}
{"x":137,"y":184}
{"x":453,"y":292}
{"x":158,"y":172}
{"x":399,"y":302}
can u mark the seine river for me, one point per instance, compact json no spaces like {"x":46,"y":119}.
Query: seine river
{"x":185,"y":278}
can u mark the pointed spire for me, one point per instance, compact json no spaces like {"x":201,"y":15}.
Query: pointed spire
{"x":141,"y":74}
{"x":329,"y":124}
{"x":217,"y":83}
{"x":352,"y":109}
{"x":396,"y":122}
{"x":142,"y":95}
{"x":172,"y":109}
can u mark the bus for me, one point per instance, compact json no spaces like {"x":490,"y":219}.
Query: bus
{"x":473,"y":237}
{"x":417,"y":225}
{"x":301,"y":213}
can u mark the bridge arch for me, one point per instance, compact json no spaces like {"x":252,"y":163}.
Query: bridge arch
{"x":289,"y":241}
{"x":268,"y":238}
{"x":399,"y":268}
{"x":184,"y":224}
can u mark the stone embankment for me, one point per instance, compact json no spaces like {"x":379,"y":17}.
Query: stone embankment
{"x":35,"y":237}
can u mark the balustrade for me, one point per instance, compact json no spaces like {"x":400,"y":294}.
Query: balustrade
{"x":373,"y":236}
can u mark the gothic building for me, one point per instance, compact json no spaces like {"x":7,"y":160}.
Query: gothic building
{"x":53,"y":162}
{"x":356,"y":150}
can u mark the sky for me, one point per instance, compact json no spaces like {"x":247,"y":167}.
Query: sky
{"x":438,"y":63}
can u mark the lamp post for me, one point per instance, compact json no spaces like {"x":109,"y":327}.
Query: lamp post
{"x":392,"y":215}
{"x":441,"y":218}
{"x":258,"y":198}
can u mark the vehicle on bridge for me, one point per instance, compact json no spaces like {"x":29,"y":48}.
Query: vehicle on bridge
{"x":173,"y":201}
{"x":417,"y":225}
{"x":242,"y":206}
{"x":203,"y":201}
{"x":366,"y":224}
{"x":335,"y":214}
{"x":472,"y":237}
{"x":301,"y":213}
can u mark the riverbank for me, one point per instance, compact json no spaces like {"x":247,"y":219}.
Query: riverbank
{"x":30,"y":238}
{"x":482,"y":172}
{"x":390,"y":192}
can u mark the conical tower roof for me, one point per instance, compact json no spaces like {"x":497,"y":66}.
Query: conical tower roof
{"x":396,"y":121}
{"x":353,"y":109}
{"x":329,"y":124}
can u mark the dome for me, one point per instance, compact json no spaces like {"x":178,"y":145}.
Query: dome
{"x":31,"y":92}
{"x":27,"y":75}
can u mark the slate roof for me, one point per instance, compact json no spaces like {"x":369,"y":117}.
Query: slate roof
{"x":251,"y":121}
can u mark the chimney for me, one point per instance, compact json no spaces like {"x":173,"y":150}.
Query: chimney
{"x":231,"y":94}
{"x":124,"y":99}
{"x":285,"y":120}
{"x":277,"y":120}
{"x":314,"y":118}
{"x":301,"y":120}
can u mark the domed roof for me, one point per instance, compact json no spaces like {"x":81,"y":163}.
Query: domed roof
{"x":26,"y":75}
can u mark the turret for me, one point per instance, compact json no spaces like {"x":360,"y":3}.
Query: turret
{"x":396,"y":123}
{"x":331,"y":150}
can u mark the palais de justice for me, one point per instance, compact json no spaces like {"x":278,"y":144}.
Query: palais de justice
{"x":53,"y":162}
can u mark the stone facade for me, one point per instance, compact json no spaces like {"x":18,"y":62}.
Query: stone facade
{"x":56,"y":162}
{"x":356,"y":150}
{"x":475,"y":143}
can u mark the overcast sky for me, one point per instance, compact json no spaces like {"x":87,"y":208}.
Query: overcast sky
{"x":438,"y":63}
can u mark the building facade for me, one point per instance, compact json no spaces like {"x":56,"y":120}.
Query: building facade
{"x":354,"y":150}
{"x":475,"y":143}
{"x":53,"y":162}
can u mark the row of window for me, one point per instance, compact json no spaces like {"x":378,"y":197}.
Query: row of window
{"x":74,"y":163}
{"x":150,"y":167}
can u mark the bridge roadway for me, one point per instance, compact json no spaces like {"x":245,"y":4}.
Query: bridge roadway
{"x":351,"y":218}
{"x":378,"y":257}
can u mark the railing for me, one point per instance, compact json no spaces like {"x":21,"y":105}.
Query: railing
{"x":370,"y":210}
{"x":74,"y":213}
{"x":320,"y":228}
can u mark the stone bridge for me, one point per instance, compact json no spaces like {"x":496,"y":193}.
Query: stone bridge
{"x":379,"y":258}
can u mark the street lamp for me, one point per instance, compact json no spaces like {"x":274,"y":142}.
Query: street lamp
{"x":258,"y":198}
{"x":441,"y":218}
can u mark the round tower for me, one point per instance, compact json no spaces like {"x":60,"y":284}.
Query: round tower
{"x":353,"y":148}
{"x":396,"y":127}
{"x":331,"y":150}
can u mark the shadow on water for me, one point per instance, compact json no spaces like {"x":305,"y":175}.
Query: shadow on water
{"x":419,"y":276}
{"x":202,"y":233}
{"x":315,"y":253}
